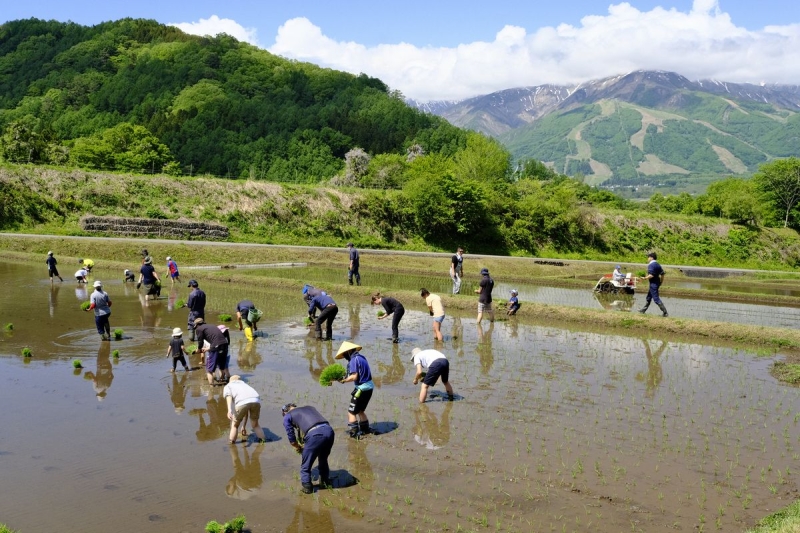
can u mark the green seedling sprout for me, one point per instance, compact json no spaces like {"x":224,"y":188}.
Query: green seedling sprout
{"x":180,"y":303}
{"x":331,"y":373}
{"x":191,"y":348}
{"x":85,"y":306}
{"x":76,"y":363}
{"x":115,"y":353}
{"x":381,"y":313}
{"x":9,"y":327}
{"x":309,"y":321}
{"x":26,"y":352}
{"x":236,"y":525}
{"x":225,"y":318}
{"x":118,"y":333}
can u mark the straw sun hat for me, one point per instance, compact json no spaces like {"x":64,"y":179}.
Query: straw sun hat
{"x":346,"y":348}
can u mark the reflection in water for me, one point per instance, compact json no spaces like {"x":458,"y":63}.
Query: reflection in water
{"x":614,"y":302}
{"x":314,"y":350}
{"x":430,"y":432}
{"x":654,"y":372}
{"x":248,"y":355}
{"x":81,"y":294}
{"x":357,"y":457}
{"x":151,"y":312}
{"x":217,"y":410}
{"x":53,"y":298}
{"x":103,"y":374}
{"x":355,"y":320}
{"x":457,"y":338}
{"x":172,"y":298}
{"x":305,"y":519}
{"x":177,"y":391}
{"x":484,"y":347}
{"x":246,"y":479}
{"x":394,"y":372}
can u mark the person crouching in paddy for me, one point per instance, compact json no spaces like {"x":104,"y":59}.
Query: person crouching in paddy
{"x":437,"y":366}
{"x":359,"y":373}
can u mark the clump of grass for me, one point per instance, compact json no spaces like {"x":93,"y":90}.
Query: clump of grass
{"x":331,"y":373}
{"x":26,"y":352}
{"x":225,"y":318}
{"x":381,"y":313}
{"x":5,"y":529}
{"x":9,"y":327}
{"x":786,"y":372}
{"x":118,"y":333}
{"x":180,"y":303}
{"x":191,"y":348}
{"x":85,"y":306}
{"x":76,"y":363}
{"x":236,"y":525}
{"x":115,"y":353}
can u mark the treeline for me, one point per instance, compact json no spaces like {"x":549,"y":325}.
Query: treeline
{"x":135,"y":95}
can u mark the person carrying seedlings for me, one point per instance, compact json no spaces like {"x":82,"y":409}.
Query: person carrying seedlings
{"x":246,"y":310}
{"x":243,"y":402}
{"x":352,"y":270}
{"x":149,"y":278}
{"x":51,"y":267}
{"x":129,"y":277}
{"x":359,"y":374}
{"x":101,"y":304}
{"x":436,"y":310}
{"x":177,"y":350}
{"x":392,"y":307}
{"x":197,"y":306}
{"x":81,"y":274}
{"x":484,"y":291}
{"x":655,"y":275}
{"x":172,"y":268}
{"x":434,"y":365}
{"x":328,"y":311}
{"x":88,"y":264}
{"x":513,"y":303}
{"x":312,"y":436}
{"x":217,"y":344}
{"x":457,"y":269}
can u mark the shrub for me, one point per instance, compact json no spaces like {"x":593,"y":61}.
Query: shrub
{"x":331,"y":373}
{"x":26,"y":352}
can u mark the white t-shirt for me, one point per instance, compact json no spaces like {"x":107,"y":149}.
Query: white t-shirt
{"x":241,"y":392}
{"x":426,"y":357}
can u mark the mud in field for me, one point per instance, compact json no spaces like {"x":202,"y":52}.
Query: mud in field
{"x":552,"y":430}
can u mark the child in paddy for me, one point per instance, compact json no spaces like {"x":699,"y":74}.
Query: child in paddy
{"x":513,"y":303}
{"x":177,"y":349}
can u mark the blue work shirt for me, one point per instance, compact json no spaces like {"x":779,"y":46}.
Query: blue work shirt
{"x":302,"y":418}
{"x":358,"y":365}
{"x":655,"y":270}
{"x":320,"y":302}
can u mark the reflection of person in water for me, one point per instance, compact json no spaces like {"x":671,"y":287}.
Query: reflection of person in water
{"x":391,"y":373}
{"x":458,"y":336}
{"x":104,"y":374}
{"x":430,"y":432}
{"x":247,"y":476}
{"x":151,"y":312}
{"x":53,"y":298}
{"x":218,"y":423}
{"x":654,"y":372}
{"x":357,"y":458}
{"x":248,"y":355}
{"x":484,"y":348}
{"x":355,"y":320}
{"x":177,"y":392}
{"x":305,"y":519}
{"x":314,"y":355}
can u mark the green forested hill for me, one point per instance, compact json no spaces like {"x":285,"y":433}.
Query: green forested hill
{"x":138,"y":95}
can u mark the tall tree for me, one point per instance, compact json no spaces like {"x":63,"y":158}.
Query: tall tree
{"x":779,"y":181}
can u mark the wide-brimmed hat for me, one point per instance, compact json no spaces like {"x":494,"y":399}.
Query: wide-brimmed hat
{"x":97,"y":283}
{"x":414,"y":353}
{"x":177,"y":332}
{"x":484,"y":272}
{"x":148,"y":260}
{"x":346,"y":348}
{"x":192,"y":283}
{"x":198,"y":321}
{"x":49,"y":253}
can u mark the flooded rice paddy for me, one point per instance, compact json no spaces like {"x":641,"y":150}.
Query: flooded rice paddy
{"x":552,"y":430}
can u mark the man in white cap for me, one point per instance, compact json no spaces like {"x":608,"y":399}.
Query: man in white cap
{"x":101,"y":304}
{"x":434,"y":365}
{"x":359,"y":373}
{"x":51,"y":267}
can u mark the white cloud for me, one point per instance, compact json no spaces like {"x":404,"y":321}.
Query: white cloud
{"x":703,"y":43}
{"x":214,"y":25}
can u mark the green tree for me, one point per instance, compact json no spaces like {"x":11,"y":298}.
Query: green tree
{"x":483,"y":160}
{"x":779,"y":182}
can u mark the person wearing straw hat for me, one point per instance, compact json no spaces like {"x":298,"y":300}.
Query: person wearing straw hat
{"x":177,"y":350}
{"x":312,"y":436}
{"x":51,"y":267}
{"x":359,"y":374}
{"x":434,"y":365}
{"x":101,"y":304}
{"x":149,"y":278}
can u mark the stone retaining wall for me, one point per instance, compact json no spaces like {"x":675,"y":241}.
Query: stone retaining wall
{"x":153,"y":227}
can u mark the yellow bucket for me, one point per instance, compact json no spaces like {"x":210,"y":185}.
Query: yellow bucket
{"x":248,"y":332}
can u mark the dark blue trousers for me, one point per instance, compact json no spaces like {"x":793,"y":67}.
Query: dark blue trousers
{"x":317,"y":445}
{"x":652,"y":294}
{"x":101,"y":321}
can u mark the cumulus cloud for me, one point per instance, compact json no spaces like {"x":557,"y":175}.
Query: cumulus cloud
{"x":701,"y":43}
{"x":214,"y":26}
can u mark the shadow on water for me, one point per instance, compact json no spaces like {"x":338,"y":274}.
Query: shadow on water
{"x":382,"y":428}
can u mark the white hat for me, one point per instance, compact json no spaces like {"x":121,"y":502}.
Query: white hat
{"x":97,"y":283}
{"x":49,"y":253}
{"x":514,"y":291}
{"x":414,"y":353}
{"x":169,"y":258}
{"x":177,"y":332}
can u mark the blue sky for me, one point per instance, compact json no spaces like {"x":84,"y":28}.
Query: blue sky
{"x":450,"y":50}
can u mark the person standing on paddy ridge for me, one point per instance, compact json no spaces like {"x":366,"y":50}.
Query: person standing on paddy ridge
{"x":655,"y":275}
{"x":312,"y":436}
{"x":352,"y":271}
{"x":484,"y":291}
{"x":243,"y":401}
{"x":328,"y":311}
{"x":177,"y":350}
{"x":392,"y":307}
{"x":197,"y":306}
{"x":436,"y":310}
{"x":172,"y":268}
{"x":358,"y":372}
{"x":435,"y":365}
{"x":51,"y":267}
{"x":457,"y":270}
{"x":218,"y":344}
{"x":101,"y":304}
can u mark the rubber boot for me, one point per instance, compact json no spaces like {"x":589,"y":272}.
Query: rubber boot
{"x":663,"y":309}
{"x":353,"y":430}
{"x":363,"y":428}
{"x":191,"y":335}
{"x":308,"y":488}
{"x":325,"y":483}
{"x":644,"y":309}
